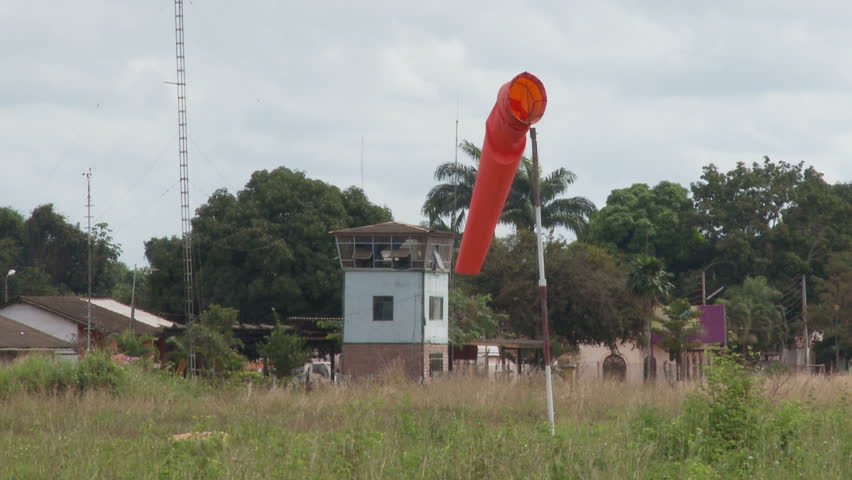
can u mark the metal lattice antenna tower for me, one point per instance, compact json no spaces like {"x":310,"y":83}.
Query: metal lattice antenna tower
{"x":89,"y":206}
{"x":183,"y":155}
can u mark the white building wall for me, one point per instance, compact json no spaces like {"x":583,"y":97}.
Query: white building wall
{"x":436,"y":285}
{"x":590,"y":358}
{"x":360,"y":287}
{"x":43,"y":321}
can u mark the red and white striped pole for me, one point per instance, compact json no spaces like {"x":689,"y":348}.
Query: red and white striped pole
{"x":542,"y":281}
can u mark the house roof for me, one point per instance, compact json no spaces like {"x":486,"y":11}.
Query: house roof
{"x":17,"y":336}
{"x":107,"y":320}
{"x":138,"y":315}
{"x":391,"y":228}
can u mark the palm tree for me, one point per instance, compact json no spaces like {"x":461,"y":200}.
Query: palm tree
{"x":452,"y":199}
{"x":649,"y":280}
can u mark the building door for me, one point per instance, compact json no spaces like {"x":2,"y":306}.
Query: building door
{"x":614,"y":368}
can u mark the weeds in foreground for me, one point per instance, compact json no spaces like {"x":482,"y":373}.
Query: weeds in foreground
{"x":463,"y":427}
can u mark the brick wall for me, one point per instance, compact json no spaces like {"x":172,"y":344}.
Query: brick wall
{"x":361,"y":360}
{"x":365,"y":359}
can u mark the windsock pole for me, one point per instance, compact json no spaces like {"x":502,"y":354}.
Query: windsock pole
{"x":542,"y":282}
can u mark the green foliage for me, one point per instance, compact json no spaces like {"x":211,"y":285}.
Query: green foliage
{"x":448,"y":202}
{"x":213,"y":341}
{"x":134,"y":344}
{"x":284,"y":351}
{"x":472,"y":317}
{"x":659,"y":221}
{"x":589,"y":300}
{"x":266,"y":247}
{"x":727,"y":430}
{"x":681,"y":325}
{"x":97,"y":371}
{"x":40,"y":374}
{"x":754,"y":316}
{"x":37,"y":374}
{"x":49,"y":254}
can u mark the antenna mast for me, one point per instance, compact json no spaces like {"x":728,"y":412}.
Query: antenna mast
{"x":88,"y":176}
{"x":183,"y":155}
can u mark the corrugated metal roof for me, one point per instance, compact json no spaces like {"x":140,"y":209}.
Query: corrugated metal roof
{"x":391,"y":228}
{"x":139,"y":315}
{"x":17,"y":336}
{"x":103,"y":319}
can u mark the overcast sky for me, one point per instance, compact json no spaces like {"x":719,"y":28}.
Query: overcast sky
{"x":636,"y":94}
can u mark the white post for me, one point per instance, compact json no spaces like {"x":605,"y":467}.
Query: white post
{"x":542,"y":283}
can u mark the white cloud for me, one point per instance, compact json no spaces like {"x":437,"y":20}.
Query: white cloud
{"x":637,"y":93}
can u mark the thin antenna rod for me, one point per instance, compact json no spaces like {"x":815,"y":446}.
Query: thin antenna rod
{"x":455,"y":190}
{"x":88,"y":176}
{"x":183,"y":156}
{"x":362,"y":162}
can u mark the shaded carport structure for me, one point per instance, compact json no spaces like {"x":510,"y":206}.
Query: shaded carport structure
{"x":313,"y":330}
{"x":516,"y":345}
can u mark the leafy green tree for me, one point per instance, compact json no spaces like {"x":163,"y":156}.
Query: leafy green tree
{"x":772,"y":219}
{"x":679,"y":327}
{"x":471,"y":317}
{"x":163,"y":292}
{"x":212,"y":340}
{"x":284,"y":352}
{"x":266,"y":247}
{"x":134,"y":344}
{"x":589,"y":299}
{"x":754,"y":316}
{"x":50,"y":255}
{"x":450,"y":200}
{"x":659,"y":221}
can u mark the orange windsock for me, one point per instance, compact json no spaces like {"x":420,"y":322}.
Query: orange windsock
{"x":520,"y":103}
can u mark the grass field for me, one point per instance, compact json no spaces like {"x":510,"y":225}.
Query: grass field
{"x":462,"y":427}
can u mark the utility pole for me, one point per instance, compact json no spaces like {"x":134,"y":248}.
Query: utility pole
{"x":542,"y":282}
{"x":132,"y":301}
{"x":88,"y":176}
{"x":805,"y":320}
{"x":703,"y":287}
{"x":836,"y":340}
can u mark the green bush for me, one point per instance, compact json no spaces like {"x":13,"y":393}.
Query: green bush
{"x":133,"y":344}
{"x":37,"y":374}
{"x":727,"y":427}
{"x":285,"y":352}
{"x":97,"y":371}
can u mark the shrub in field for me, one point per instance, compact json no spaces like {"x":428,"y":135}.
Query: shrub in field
{"x":97,"y":371}
{"x":727,"y":426}
{"x":284,"y":351}
{"x":133,"y":344}
{"x":37,"y":374}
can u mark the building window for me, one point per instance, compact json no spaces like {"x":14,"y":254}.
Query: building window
{"x":382,"y":308}
{"x":436,"y":363}
{"x":436,"y":308}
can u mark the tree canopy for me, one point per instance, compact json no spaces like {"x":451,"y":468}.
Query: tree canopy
{"x":266,"y":247}
{"x":50,"y":256}
{"x":447,"y":203}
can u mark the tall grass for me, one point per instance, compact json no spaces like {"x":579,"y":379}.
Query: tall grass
{"x":458,"y":427}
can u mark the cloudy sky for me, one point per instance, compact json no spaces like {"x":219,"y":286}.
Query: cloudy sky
{"x":636,"y":94}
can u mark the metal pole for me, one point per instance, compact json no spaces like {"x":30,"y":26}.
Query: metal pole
{"x":836,"y":340}
{"x":89,"y":298}
{"x":542,"y":282}
{"x":132,"y":301}
{"x":703,"y":287}
{"x":805,"y":320}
